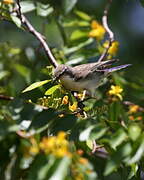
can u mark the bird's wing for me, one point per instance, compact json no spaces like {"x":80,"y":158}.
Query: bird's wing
{"x":82,"y":71}
{"x":85,"y":70}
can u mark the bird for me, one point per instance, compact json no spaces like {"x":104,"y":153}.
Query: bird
{"x":85,"y":77}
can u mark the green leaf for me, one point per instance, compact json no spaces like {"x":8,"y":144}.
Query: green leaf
{"x":68,"y":5}
{"x":139,"y":152}
{"x":83,"y":15}
{"x":35,"y":85}
{"x":16,"y":20}
{"x":76,"y":23}
{"x":78,"y":34}
{"x":134,"y":131}
{"x":27,"y":6}
{"x":52,"y":90}
{"x":84,"y":135}
{"x":98,"y":131}
{"x":61,"y":170}
{"x":117,"y":158}
{"x":89,"y":143}
{"x":118,"y":138}
{"x":3,"y":74}
{"x":23,"y":71}
{"x":40,"y":167}
{"x":78,"y":47}
{"x":114,"y":111}
{"x":43,"y":9}
{"x":142,"y":2}
{"x":7,"y":127}
{"x":134,"y":169}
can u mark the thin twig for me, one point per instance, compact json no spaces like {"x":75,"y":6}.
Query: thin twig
{"x":108,"y":30}
{"x":39,"y":36}
{"x":8,"y":98}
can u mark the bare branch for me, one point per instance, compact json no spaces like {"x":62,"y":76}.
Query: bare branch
{"x":8,"y":98}
{"x":39,"y":36}
{"x":110,"y":33}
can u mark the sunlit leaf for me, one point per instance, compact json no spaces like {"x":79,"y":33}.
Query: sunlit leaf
{"x":76,"y":23}
{"x":62,"y":169}
{"x":77,"y":34}
{"x":134,"y":131}
{"x":44,"y":9}
{"x":27,"y":6}
{"x":84,"y":135}
{"x":52,"y":90}
{"x":16,"y":20}
{"x":35,"y":85}
{"x":83,"y":15}
{"x":98,"y":131}
{"x":4,"y":74}
{"x":117,"y":138}
{"x":78,"y":47}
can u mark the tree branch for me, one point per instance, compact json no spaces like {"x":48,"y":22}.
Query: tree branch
{"x":39,"y":36}
{"x":108,"y":30}
{"x":8,"y":98}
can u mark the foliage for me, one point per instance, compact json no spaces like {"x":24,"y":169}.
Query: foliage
{"x":42,"y":133}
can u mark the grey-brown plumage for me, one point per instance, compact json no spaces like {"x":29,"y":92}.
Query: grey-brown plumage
{"x":86,"y":76}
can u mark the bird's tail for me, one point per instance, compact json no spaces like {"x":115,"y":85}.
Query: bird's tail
{"x":113,"y":69}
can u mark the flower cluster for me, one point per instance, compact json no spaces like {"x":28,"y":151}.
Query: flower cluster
{"x":133,"y":108}
{"x":97,"y":30}
{"x":113,"y":49}
{"x":71,"y":107}
{"x":8,"y":1}
{"x":135,"y":112}
{"x":65,"y":100}
{"x":56,"y":145}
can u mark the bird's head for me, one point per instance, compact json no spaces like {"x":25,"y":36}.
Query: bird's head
{"x":61,"y":70}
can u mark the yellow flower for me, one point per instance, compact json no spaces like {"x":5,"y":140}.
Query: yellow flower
{"x":94,"y":24}
{"x":83,"y":161}
{"x":34,"y":148}
{"x":47,"y":144}
{"x":133,"y":109}
{"x":97,"y":31}
{"x":61,"y":115}
{"x":61,"y":135}
{"x":56,"y":145}
{"x":8,"y":1}
{"x":116,"y":91}
{"x":80,"y":152}
{"x":65,"y":100}
{"x":139,"y":118}
{"x":131,"y":118}
{"x":113,"y":49}
{"x":73,"y":107}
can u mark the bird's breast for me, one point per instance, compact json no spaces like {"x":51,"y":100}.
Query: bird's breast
{"x":80,"y":85}
{"x":70,"y":84}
